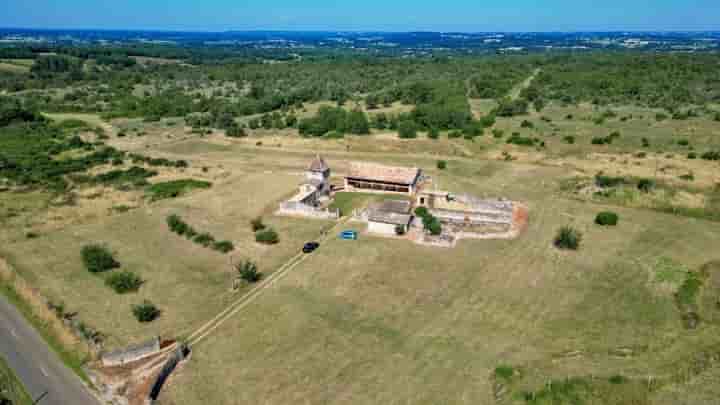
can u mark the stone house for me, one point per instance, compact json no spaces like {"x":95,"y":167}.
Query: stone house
{"x":376,"y":178}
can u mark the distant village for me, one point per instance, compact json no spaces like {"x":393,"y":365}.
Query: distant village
{"x":460,"y":216}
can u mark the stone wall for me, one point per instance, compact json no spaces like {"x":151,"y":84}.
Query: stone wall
{"x":132,"y":353}
{"x":303,"y":210}
{"x":172,"y":362}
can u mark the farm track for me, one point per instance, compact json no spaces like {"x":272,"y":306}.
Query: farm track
{"x":204,"y":331}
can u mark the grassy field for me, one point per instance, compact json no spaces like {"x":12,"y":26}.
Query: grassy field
{"x":11,"y":388}
{"x":188,"y":282}
{"x":384,"y":321}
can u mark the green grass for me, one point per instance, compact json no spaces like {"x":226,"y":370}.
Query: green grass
{"x":348,"y":202}
{"x":10,"y":386}
{"x":73,"y":359}
{"x":175,"y":188}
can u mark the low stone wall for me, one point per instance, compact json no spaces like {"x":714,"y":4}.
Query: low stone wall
{"x":132,"y":353}
{"x":303,"y":210}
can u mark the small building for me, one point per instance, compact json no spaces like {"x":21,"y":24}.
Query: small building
{"x":314,"y":190}
{"x":376,"y":178}
{"x":388,"y":217}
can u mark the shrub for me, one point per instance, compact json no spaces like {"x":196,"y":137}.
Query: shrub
{"x":527,"y":124}
{"x":683,"y":142}
{"x":455,"y":134}
{"x":257,"y":224}
{"x":175,"y":188}
{"x":223,"y":246}
{"x":606,"y":218}
{"x":645,"y":185}
{"x":660,"y":117}
{"x":433,"y":226}
{"x":145,"y":312}
{"x":608,"y":181}
{"x":498,"y":133}
{"x":421,"y":212}
{"x":399,"y":230}
{"x":267,"y":236}
{"x":617,"y":379}
{"x":645,"y":143}
{"x":204,"y":239}
{"x":407,"y":129}
{"x":516,"y":139}
{"x":568,"y":238}
{"x":692,"y":155}
{"x":433,"y":133}
{"x":124,"y":282}
{"x":711,"y":155}
{"x":98,"y":258}
{"x":504,"y":372}
{"x":569,"y":139}
{"x":248,"y":271}
{"x":441,"y":164}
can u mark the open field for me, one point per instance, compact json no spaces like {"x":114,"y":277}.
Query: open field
{"x":384,"y":321}
{"x":387,"y":321}
{"x":188,"y":282}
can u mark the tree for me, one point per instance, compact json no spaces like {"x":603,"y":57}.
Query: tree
{"x":568,"y":238}
{"x":145,"y":312}
{"x":407,"y":129}
{"x":98,"y":258}
{"x":433,"y":133}
{"x":357,"y":123}
{"x":248,"y":271}
{"x":441,"y":164}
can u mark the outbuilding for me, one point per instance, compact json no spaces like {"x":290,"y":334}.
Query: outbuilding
{"x":376,"y":178}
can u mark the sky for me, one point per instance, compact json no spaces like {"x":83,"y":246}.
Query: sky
{"x":365,"y":15}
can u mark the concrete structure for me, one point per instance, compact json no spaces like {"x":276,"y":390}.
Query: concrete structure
{"x":466,"y":210}
{"x":376,"y":178}
{"x":387,"y":217}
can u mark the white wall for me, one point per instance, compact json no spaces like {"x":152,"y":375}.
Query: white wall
{"x":381,"y":228}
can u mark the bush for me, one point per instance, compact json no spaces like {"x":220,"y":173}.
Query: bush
{"x":433,"y":133}
{"x":175,"y":188}
{"x":568,"y":238}
{"x":145,"y":312}
{"x":608,"y":181}
{"x":606,"y":218}
{"x":527,"y":124}
{"x":711,"y":155}
{"x":498,"y":133}
{"x":692,"y":155}
{"x":441,"y":164}
{"x":645,"y":143}
{"x":204,"y":239}
{"x":248,"y":271}
{"x":399,"y":230}
{"x":267,"y":236}
{"x":257,"y":224}
{"x":98,"y":259}
{"x":432,"y":225}
{"x":407,"y":130}
{"x":124,"y":282}
{"x":223,"y":246}
{"x":421,"y":212}
{"x":569,"y":139}
{"x":645,"y":185}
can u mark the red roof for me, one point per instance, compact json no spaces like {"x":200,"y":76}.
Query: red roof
{"x":382,"y":173}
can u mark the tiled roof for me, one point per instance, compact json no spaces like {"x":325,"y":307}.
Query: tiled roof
{"x":318,"y":164}
{"x":387,"y":174}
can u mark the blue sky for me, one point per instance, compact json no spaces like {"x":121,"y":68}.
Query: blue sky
{"x":391,"y":15}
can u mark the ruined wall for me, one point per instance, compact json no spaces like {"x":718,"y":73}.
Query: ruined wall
{"x":300,"y":209}
{"x":132,"y":353}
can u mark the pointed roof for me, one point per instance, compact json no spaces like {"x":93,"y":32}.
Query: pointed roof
{"x":318,"y":164}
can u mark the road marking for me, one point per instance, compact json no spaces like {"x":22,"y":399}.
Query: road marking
{"x":44,"y":372}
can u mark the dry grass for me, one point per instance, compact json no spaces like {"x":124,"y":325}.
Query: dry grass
{"x":384,"y":321}
{"x":188,"y":282}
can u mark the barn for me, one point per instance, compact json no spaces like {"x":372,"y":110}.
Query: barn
{"x":376,"y":178}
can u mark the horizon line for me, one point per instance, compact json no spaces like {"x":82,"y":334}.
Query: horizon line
{"x":277,"y":30}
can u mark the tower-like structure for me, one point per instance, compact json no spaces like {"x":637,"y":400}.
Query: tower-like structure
{"x":318,"y":174}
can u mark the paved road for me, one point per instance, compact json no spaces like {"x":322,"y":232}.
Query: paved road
{"x":35,"y":364}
